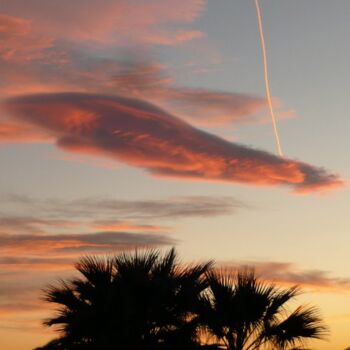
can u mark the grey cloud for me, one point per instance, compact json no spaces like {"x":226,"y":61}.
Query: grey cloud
{"x":169,"y":208}
{"x":100,"y":241}
{"x":21,"y":224}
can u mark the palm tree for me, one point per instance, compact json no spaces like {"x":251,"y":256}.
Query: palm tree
{"x":148,"y":301}
{"x":139,"y":301}
{"x":243,"y":313}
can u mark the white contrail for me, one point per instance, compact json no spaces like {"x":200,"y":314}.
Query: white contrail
{"x":266,"y":76}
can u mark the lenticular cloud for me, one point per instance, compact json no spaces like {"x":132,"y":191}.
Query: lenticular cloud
{"x":142,"y":135}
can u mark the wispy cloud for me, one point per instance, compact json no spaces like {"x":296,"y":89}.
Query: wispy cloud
{"x":284,"y":273}
{"x":64,"y":57}
{"x":55,"y":232}
{"x":142,"y":135}
{"x":98,"y":21}
{"x":149,"y":80}
{"x":21,"y":224}
{"x":54,"y":47}
{"x":42,"y":246}
{"x":18,"y":43}
{"x":106,"y":209}
{"x":14,"y":132}
{"x":99,"y":242}
{"x":119,"y":225}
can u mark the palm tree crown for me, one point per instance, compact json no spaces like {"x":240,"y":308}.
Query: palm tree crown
{"x":148,"y":301}
{"x":243,"y":313}
{"x":144,"y":301}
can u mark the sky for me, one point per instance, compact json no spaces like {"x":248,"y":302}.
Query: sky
{"x":144,"y":123}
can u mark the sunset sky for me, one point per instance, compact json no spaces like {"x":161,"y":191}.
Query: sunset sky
{"x":144,"y":123}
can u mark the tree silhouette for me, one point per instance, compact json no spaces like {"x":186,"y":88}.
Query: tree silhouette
{"x":149,"y":301}
{"x":244,"y":313}
{"x":140,"y":301}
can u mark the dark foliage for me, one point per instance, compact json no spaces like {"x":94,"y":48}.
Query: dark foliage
{"x":144,"y":301}
{"x":243,"y":313}
{"x":147,"y":301}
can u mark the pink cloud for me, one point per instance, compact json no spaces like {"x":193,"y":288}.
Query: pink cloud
{"x":45,"y":46}
{"x":18,"y":43}
{"x":284,"y":273}
{"x":14,"y":132}
{"x":145,"y":136}
{"x":109,"y":20}
{"x":147,"y":80}
{"x":33,"y":62}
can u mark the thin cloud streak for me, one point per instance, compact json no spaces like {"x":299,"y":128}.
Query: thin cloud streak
{"x":118,"y":225}
{"x":79,"y":243}
{"x":142,"y":135}
{"x":108,"y":209}
{"x":284,"y":273}
{"x":21,"y":224}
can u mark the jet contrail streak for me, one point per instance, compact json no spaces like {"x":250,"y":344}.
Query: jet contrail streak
{"x":266,"y":76}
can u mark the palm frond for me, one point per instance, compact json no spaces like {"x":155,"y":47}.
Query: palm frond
{"x":95,"y":269}
{"x":302,"y":324}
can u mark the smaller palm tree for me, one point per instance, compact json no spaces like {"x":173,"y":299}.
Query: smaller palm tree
{"x":243,"y":313}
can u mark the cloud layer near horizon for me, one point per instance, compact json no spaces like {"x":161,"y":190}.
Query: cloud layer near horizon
{"x":53,"y":211}
{"x":288,"y":274}
{"x":55,"y":232}
{"x":142,"y":135}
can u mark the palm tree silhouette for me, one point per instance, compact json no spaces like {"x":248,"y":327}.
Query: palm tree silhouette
{"x":243,"y":313}
{"x":140,"y":301}
{"x":148,"y":301}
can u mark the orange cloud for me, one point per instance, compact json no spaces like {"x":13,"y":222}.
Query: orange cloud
{"x":116,"y":225}
{"x":145,"y":136}
{"x":31,"y":61}
{"x":36,"y":263}
{"x":77,"y":244}
{"x":21,"y":132}
{"x":48,"y":47}
{"x":18,"y":43}
{"x":51,"y":239}
{"x":288,"y":274}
